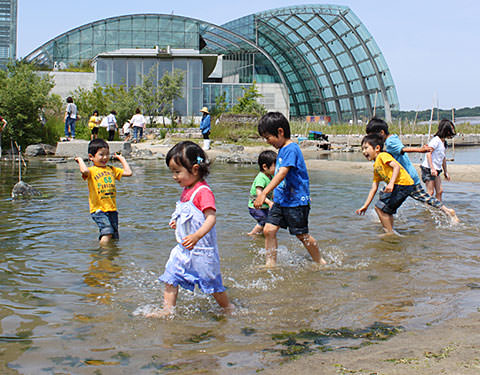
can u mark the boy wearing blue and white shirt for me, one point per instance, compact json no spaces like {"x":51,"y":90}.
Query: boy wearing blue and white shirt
{"x":291,"y":190}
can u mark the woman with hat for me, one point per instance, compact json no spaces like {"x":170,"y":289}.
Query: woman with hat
{"x":205,"y":128}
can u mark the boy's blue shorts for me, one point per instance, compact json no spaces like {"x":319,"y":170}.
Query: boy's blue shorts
{"x":107,"y":223}
{"x":293,"y":218}
{"x":259,"y":214}
{"x":389,"y":202}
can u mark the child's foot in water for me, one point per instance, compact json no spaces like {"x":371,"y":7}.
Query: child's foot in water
{"x":160,"y":313}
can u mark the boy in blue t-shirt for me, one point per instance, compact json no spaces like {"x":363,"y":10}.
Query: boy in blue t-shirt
{"x":291,"y":191}
{"x":395,"y":147}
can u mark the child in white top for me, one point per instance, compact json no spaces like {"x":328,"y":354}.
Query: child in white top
{"x":194,"y":260}
{"x":435,"y":161}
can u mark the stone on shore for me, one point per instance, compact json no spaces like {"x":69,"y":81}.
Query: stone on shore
{"x":40,"y":149}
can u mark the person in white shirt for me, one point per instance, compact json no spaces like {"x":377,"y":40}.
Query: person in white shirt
{"x":435,"y":161}
{"x":111,"y":125}
{"x":138,"y":123}
{"x":70,"y":118}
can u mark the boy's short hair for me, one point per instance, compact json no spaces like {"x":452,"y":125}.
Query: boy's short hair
{"x":95,"y":145}
{"x":69,"y":99}
{"x":267,"y":157}
{"x":271,"y":122}
{"x":374,"y":140}
{"x":376,"y":125}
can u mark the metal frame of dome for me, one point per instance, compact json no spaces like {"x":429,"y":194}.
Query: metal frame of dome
{"x":322,"y":54}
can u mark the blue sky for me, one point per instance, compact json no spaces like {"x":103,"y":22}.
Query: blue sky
{"x":431,"y":47}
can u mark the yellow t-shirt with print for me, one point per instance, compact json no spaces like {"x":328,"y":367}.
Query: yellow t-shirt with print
{"x":101,"y":188}
{"x":383,"y":172}
{"x":93,"y":122}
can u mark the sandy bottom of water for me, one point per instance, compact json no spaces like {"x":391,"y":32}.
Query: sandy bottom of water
{"x":448,"y":348}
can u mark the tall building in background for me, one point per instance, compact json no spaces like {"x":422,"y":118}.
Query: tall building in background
{"x":8,"y":31}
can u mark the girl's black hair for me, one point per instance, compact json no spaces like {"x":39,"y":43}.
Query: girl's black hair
{"x":95,"y":145}
{"x":267,"y":157}
{"x":446,"y":129}
{"x":187,"y":154}
{"x":95,"y":112}
{"x":373,"y":140}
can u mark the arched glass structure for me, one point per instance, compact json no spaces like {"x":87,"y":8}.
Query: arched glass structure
{"x":323,"y":54}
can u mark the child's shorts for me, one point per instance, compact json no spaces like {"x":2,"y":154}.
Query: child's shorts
{"x":107,"y":223}
{"x":427,"y":174}
{"x":95,"y":130}
{"x":293,"y":218}
{"x":259,"y":214}
{"x":389,"y":202}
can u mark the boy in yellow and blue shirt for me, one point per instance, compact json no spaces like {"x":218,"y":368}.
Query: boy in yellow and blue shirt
{"x":385,"y":168}
{"x":101,"y":187}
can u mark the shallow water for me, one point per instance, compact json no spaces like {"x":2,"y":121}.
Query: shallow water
{"x":68,"y":306}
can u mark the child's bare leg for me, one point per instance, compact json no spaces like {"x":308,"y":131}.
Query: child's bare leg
{"x":430,"y":186}
{"x":222,"y":300}
{"x":386,"y":220}
{"x":311,"y":245}
{"x":271,"y":244}
{"x":169,"y":301}
{"x":438,"y":188}
{"x":105,"y":240}
{"x":257,"y":229}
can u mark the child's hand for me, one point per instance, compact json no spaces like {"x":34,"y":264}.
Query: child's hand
{"x":77,"y":159}
{"x":259,"y":201}
{"x":361,"y":210}
{"x":388,"y":188}
{"x":118,"y":156}
{"x":190,"y":241}
{"x":447,"y":176}
{"x":173,"y":224}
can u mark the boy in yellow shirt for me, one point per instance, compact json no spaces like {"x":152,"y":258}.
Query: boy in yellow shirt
{"x":385,"y":168}
{"x":101,"y":187}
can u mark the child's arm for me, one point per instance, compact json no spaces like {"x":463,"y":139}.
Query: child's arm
{"x":423,"y":149}
{"x":210,"y":219}
{"x":83,"y":167}
{"x":127,"y":172}
{"x":433,"y":171}
{"x":371,"y":195}
{"x":282,"y":172}
{"x":444,"y":166}
{"x":396,"y":171}
{"x":259,"y":191}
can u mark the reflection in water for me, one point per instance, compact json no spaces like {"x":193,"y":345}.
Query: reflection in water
{"x":68,"y":306}
{"x":101,"y":272}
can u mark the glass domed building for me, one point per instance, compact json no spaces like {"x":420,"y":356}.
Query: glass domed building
{"x":307,"y":60}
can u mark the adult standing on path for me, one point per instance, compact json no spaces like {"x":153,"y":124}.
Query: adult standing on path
{"x":205,"y":128}
{"x":138,"y":122}
{"x":4,"y":122}
{"x":111,"y":125}
{"x":70,"y":118}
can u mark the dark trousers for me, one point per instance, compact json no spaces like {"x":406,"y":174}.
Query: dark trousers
{"x":111,"y":135}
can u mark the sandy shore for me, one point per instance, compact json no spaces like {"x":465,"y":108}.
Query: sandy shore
{"x":458,"y":172}
{"x":451,"y":348}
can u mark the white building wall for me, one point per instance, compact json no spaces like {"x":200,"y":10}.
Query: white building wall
{"x":67,"y":82}
{"x":275,"y":97}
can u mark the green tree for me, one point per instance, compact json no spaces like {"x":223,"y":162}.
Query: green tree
{"x":23,"y":96}
{"x":147,"y":94}
{"x":170,"y":87}
{"x":220,"y":105}
{"x":248,"y":102}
